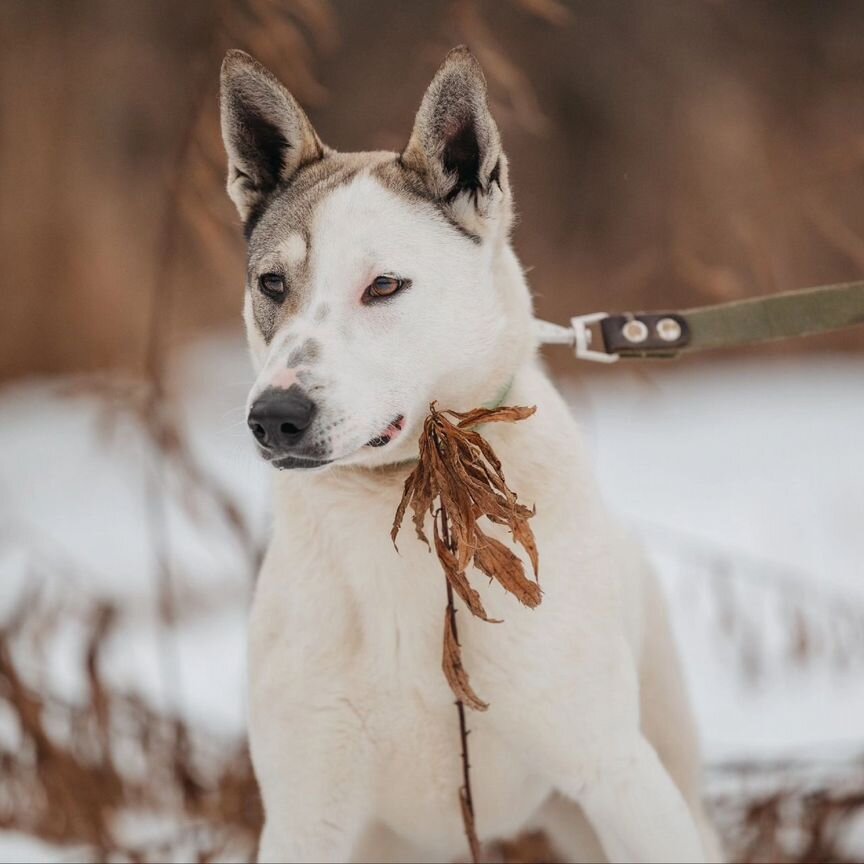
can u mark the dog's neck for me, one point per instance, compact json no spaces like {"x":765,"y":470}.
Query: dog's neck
{"x":517,"y":346}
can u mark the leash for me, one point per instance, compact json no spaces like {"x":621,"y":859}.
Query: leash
{"x":605,"y":338}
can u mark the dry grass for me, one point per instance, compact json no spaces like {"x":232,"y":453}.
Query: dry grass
{"x":78,"y":769}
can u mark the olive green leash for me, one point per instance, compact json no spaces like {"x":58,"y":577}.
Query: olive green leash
{"x":605,"y":338}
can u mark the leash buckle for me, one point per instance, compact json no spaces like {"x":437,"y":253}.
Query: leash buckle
{"x":583,"y":336}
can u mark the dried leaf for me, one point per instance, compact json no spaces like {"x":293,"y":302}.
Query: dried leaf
{"x":458,"y":580}
{"x":407,"y":493}
{"x":498,"y":562}
{"x":459,"y":481}
{"x":524,"y":536}
{"x":455,"y":672}
{"x":507,"y":414}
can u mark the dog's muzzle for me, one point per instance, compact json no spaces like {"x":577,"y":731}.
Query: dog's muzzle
{"x":279,"y":420}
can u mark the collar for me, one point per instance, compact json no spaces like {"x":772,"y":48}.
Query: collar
{"x":503,"y":393}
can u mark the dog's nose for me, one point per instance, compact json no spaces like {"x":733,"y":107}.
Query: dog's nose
{"x":279,"y":418}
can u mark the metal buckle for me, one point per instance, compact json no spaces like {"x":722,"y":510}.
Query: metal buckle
{"x":583,"y":336}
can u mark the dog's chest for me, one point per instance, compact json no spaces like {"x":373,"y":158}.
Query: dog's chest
{"x":393,"y":676}
{"x":419,"y":770}
{"x":378,"y":622}
{"x":414,"y":724}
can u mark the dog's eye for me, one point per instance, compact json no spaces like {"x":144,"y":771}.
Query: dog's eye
{"x":273,"y":285}
{"x":384,"y":286}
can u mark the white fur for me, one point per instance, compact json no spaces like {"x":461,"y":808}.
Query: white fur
{"x":353,"y":730}
{"x":293,"y":249}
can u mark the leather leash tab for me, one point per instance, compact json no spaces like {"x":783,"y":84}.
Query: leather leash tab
{"x":657,"y":335}
{"x":645,"y":334}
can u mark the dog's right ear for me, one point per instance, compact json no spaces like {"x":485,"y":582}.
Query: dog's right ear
{"x":267,"y":135}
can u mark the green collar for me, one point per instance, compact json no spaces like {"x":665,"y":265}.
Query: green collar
{"x":502,"y":395}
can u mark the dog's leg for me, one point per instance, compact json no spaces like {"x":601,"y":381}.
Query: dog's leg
{"x":380,"y":845}
{"x":571,"y":835}
{"x":666,"y":717}
{"x":314,"y":773}
{"x":324,"y":829}
{"x":636,"y":809}
{"x":583,"y":734}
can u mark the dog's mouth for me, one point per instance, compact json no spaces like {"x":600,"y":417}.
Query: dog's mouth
{"x":293,"y":461}
{"x":289,"y":462}
{"x":393,"y":430}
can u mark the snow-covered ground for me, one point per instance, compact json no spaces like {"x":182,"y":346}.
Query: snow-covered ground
{"x":746,"y":481}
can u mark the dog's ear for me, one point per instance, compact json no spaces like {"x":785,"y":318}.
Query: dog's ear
{"x":456,"y":148}
{"x":266,"y":133}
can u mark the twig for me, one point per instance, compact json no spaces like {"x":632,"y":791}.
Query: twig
{"x":458,"y":468}
{"x":466,"y":799}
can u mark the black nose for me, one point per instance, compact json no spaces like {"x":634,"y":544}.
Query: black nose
{"x":279,"y":418}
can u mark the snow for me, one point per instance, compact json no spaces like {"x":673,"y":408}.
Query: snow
{"x":745,"y":480}
{"x":24,"y":849}
{"x":754,"y":474}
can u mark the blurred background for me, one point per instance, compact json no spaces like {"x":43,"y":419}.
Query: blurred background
{"x":663,"y":155}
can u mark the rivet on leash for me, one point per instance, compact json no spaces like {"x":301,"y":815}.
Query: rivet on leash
{"x":668,"y":329}
{"x":635,"y":331}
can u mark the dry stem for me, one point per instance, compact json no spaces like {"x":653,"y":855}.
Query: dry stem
{"x":466,"y":799}
{"x":460,"y":471}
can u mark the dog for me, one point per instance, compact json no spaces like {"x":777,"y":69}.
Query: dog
{"x":376,"y":284}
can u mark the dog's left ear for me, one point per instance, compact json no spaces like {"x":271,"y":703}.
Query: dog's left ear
{"x":456,"y":148}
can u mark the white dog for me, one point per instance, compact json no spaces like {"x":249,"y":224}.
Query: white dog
{"x":377,"y":283}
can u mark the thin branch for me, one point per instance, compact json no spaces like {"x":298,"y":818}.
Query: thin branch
{"x":466,"y":798}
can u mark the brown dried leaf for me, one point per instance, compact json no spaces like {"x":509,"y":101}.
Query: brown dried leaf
{"x":457,"y":578}
{"x":524,"y":536}
{"x":458,"y":480}
{"x":455,"y":672}
{"x":500,"y":563}
{"x":506,"y":414}
{"x":407,"y":494}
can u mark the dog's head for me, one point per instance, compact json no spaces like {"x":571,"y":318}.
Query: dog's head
{"x":372,"y":283}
